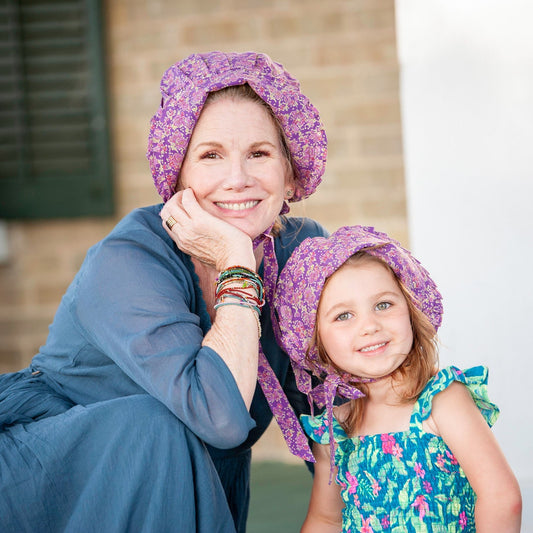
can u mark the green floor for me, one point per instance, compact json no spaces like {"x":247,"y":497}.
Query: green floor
{"x":279,"y":497}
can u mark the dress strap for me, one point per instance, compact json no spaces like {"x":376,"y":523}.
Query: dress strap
{"x":475,"y":379}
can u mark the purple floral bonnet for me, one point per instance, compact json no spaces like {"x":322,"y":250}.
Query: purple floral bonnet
{"x":298,"y":292}
{"x":184,"y":89}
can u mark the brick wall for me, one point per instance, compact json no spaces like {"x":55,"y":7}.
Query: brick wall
{"x":342,"y":51}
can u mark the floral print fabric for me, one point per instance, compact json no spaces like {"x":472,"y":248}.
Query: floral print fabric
{"x":184,"y":89}
{"x":407,"y":481}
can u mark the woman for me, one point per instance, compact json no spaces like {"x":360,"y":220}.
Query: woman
{"x":139,"y":412}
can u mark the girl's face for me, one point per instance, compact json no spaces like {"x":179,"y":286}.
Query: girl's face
{"x":236,"y":166}
{"x":363,"y":320}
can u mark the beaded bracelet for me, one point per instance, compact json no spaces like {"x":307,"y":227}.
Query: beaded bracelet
{"x":241,"y":302}
{"x":233,"y":284}
{"x":240,"y":291}
{"x":244,"y":274}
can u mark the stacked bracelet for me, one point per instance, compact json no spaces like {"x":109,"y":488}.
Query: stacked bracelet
{"x":234,"y":286}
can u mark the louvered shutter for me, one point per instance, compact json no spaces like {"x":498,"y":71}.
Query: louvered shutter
{"x":54,"y":141}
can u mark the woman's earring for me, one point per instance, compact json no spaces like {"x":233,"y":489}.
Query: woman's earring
{"x":289,"y":193}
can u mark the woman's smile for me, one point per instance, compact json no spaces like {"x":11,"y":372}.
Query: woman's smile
{"x":237,"y":206}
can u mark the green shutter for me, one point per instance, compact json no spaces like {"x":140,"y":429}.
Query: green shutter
{"x":54,"y":140}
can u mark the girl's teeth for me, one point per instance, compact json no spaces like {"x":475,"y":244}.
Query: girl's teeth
{"x":237,"y":206}
{"x":371,"y":348}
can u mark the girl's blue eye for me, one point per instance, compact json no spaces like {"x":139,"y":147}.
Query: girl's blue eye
{"x":343,"y":316}
{"x":209,"y":155}
{"x":382,"y":306}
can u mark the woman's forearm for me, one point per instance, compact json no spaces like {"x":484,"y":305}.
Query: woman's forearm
{"x":234,"y":336}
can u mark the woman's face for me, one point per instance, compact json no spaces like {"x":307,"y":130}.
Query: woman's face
{"x":235,"y":165}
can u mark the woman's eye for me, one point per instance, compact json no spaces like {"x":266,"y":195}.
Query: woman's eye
{"x":382,"y":306}
{"x":209,"y":155}
{"x":343,"y":316}
{"x":259,"y":153}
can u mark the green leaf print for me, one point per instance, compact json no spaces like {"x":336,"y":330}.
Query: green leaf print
{"x":403,"y":498}
{"x":455,"y":506}
{"x":374,"y":458}
{"x":399,"y":466}
{"x":420,"y":527}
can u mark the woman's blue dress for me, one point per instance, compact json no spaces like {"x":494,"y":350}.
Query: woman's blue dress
{"x":123,"y":421}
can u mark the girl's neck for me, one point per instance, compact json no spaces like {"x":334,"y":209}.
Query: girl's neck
{"x":385,"y":390}
{"x":385,"y":411}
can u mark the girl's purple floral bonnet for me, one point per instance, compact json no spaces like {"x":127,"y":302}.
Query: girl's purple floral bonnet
{"x":300,"y":285}
{"x":184,"y":89}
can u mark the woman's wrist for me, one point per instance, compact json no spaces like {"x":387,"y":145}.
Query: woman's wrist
{"x":240,"y":286}
{"x":243,"y":256}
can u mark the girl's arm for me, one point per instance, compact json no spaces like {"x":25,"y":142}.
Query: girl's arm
{"x":325,"y":507}
{"x":465,"y":431}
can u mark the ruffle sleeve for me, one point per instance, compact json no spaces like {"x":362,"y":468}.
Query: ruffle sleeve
{"x":317,"y":428}
{"x":475,"y":379}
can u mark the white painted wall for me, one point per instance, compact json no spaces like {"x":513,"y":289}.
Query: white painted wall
{"x":467,"y":105}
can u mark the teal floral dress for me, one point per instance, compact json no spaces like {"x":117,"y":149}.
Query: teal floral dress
{"x":407,"y":481}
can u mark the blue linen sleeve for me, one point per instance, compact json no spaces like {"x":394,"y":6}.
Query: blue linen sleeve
{"x":134,"y":302}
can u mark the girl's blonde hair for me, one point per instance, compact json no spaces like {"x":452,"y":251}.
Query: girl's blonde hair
{"x":419,"y":366}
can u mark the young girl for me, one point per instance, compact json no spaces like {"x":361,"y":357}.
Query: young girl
{"x":411,"y":449}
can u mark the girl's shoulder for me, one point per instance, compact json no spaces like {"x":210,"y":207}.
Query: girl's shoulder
{"x":475,"y":379}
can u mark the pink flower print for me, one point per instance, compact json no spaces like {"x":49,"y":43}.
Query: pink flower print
{"x":356,"y":501}
{"x":427,"y":486}
{"x":322,"y":429}
{"x":441,"y":462}
{"x":397,"y":451}
{"x":385,"y":524}
{"x":452,"y":458}
{"x":421,"y":504}
{"x":420,"y":472}
{"x":462,"y":520}
{"x":367,"y":528}
{"x":387,"y":443}
{"x":352,"y":480}
{"x":375,"y":487}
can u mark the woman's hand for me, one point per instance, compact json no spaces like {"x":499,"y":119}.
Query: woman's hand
{"x":205,"y":237}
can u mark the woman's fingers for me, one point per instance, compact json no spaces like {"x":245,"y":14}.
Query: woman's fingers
{"x":209,"y":239}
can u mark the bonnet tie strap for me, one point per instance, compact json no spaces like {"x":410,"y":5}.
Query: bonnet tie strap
{"x":277,"y":400}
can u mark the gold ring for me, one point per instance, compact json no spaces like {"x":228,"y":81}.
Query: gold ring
{"x":170,"y":221}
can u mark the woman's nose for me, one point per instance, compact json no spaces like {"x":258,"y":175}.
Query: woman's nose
{"x":237,"y":177}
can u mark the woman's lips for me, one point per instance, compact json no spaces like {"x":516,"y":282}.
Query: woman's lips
{"x":237,"y":206}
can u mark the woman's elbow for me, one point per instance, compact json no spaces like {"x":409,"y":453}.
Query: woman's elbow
{"x":228,"y":432}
